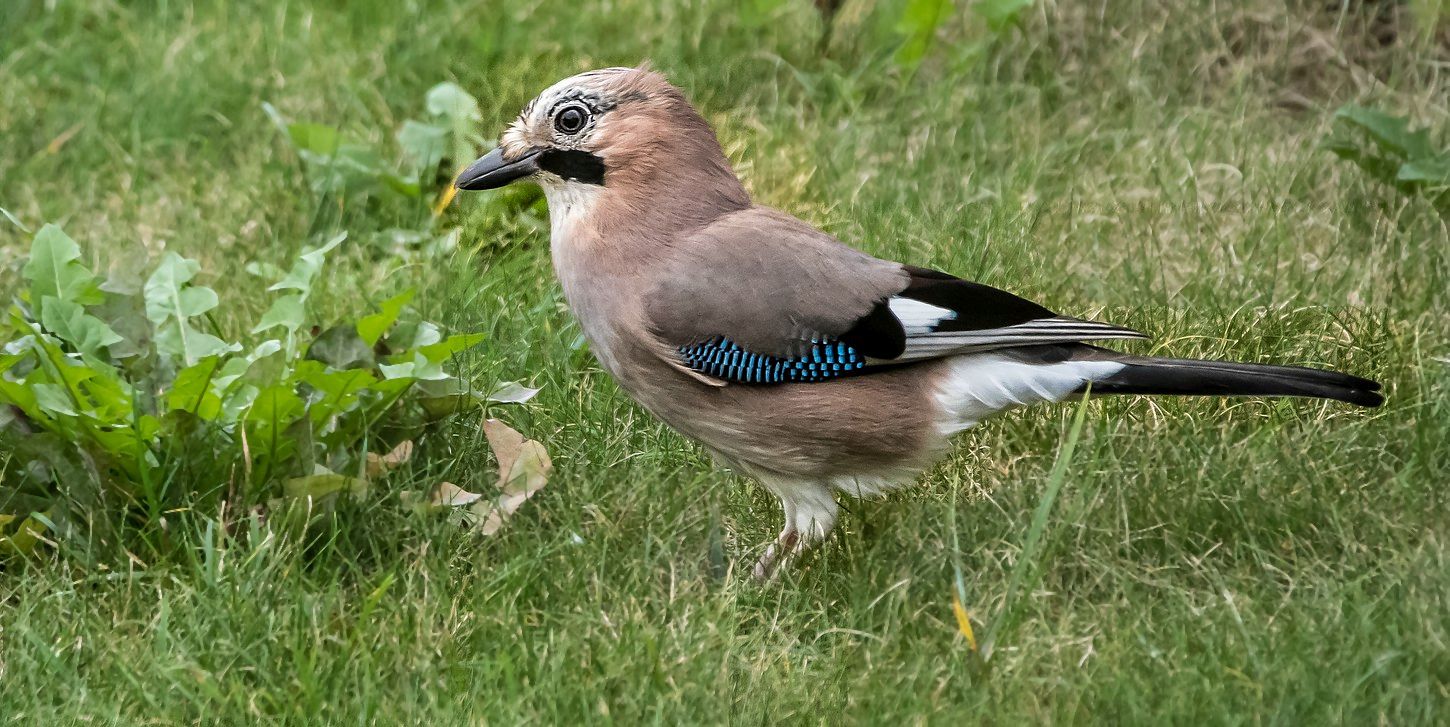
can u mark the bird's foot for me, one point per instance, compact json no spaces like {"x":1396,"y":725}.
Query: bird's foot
{"x":810,"y":513}
{"x":781,"y":552}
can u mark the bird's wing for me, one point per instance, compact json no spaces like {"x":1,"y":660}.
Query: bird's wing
{"x":759,"y":297}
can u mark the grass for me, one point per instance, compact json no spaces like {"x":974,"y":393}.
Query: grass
{"x":1206,"y":561}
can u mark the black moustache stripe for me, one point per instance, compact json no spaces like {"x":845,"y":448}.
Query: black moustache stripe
{"x":573,"y":165}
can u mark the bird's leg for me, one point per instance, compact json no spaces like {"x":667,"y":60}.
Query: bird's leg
{"x":810,"y":513}
{"x":777,"y":554}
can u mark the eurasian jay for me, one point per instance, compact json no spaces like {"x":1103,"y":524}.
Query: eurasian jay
{"x":811,"y":366}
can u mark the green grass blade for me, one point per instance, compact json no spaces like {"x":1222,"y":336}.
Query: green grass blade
{"x":1026,"y":566}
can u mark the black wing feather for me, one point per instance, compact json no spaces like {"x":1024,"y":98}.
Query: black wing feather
{"x":978,"y":307}
{"x":877,"y":334}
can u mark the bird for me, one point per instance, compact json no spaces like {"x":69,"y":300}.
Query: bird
{"x":816,"y":369}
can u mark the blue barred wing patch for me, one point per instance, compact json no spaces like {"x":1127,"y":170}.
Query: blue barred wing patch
{"x":724,"y":359}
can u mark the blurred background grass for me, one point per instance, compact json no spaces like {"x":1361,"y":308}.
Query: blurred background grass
{"x":1155,"y":164}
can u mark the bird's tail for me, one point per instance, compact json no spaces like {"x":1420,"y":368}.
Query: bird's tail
{"x":1145,"y":375}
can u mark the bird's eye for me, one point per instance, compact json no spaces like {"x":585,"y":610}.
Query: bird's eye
{"x":571,"y":119}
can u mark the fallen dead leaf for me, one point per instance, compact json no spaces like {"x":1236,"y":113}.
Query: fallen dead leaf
{"x":443,"y":495}
{"x":523,"y":469}
{"x":377,"y":464}
{"x":447,"y":494}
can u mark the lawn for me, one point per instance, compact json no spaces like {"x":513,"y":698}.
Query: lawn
{"x":1158,"y":165}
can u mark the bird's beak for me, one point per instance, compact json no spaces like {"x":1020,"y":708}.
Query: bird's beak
{"x":492,"y":172}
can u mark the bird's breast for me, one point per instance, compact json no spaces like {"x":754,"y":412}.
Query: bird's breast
{"x":605,"y":294}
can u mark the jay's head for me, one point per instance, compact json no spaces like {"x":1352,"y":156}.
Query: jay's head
{"x":618,"y":128}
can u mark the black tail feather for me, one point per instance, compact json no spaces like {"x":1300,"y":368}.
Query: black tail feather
{"x":1144,"y":375}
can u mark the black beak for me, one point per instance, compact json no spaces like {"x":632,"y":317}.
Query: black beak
{"x":492,"y":172}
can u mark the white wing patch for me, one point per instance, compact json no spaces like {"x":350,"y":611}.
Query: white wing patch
{"x":979,"y":385}
{"x":918,"y":317}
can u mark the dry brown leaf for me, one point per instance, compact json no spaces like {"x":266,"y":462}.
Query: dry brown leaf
{"x":443,"y":495}
{"x":523,"y":469}
{"x":377,"y":464}
{"x":447,"y":494}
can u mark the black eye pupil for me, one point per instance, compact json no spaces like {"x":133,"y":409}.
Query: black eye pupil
{"x":570,"y":120}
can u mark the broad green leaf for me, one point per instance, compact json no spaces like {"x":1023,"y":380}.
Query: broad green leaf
{"x":324,"y":485}
{"x":8,"y":360}
{"x":460,"y":109}
{"x":275,"y":408}
{"x":336,"y":390}
{"x":1432,"y":171}
{"x":352,"y":168}
{"x":286,"y":312}
{"x":264,"y":270}
{"x":165,"y":287}
{"x":127,"y":275}
{"x":54,"y":270}
{"x":54,"y":399}
{"x":181,"y":339}
{"x":401,"y":371}
{"x":129,"y":443}
{"x":393,"y":386}
{"x":56,"y":363}
{"x":238,"y":399}
{"x":171,"y":300}
{"x":372,"y":327}
{"x":441,"y":351}
{"x":25,"y":537}
{"x":308,"y":264}
{"x":192,"y":389}
{"x":342,"y":348}
{"x":1000,"y":14}
{"x":22,"y":396}
{"x":1390,"y":133}
{"x":107,"y":396}
{"x":406,"y":186}
{"x":446,"y":396}
{"x":423,"y":144}
{"x":95,"y":391}
{"x":72,"y":324}
{"x":421,"y":334}
{"x":418,"y":366}
{"x":1394,"y":154}
{"x":276,"y":405}
{"x":116,"y":426}
{"x":450,"y":101}
{"x":316,"y":138}
{"x":238,"y":366}
{"x":126,"y":315}
{"x":919,"y":22}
